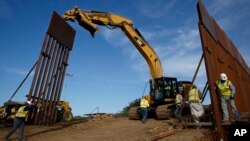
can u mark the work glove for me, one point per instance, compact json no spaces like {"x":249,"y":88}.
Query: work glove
{"x":232,"y":96}
{"x":39,"y":104}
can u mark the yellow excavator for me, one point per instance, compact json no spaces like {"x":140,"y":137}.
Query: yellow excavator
{"x":9,"y":109}
{"x":161,"y":96}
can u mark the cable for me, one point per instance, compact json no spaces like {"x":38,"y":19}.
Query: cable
{"x":23,"y":81}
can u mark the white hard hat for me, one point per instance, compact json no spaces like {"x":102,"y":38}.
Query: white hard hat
{"x":28,"y":102}
{"x":223,"y":76}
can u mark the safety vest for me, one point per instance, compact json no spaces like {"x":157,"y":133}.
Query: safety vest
{"x":167,"y":87}
{"x":21,"y":113}
{"x":144,"y":103}
{"x":194,"y":95}
{"x":178,"y":99}
{"x":224,"y":88}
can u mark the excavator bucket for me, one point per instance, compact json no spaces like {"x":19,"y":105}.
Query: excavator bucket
{"x":76,"y":14}
{"x":92,"y":28}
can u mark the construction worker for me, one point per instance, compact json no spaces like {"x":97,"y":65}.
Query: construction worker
{"x":167,"y":89}
{"x":20,"y":118}
{"x":226,"y":91}
{"x":158,"y":94}
{"x":179,"y":103}
{"x":194,"y":98}
{"x":144,"y":104}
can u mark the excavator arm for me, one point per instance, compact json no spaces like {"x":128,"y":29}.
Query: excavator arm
{"x":91,"y":19}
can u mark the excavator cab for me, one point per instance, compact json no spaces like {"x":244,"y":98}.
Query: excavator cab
{"x":162,"y":97}
{"x":162,"y":90}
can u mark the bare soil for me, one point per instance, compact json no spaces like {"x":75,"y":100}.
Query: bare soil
{"x":115,"y":129}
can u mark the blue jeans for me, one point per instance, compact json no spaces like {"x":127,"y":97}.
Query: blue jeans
{"x":144,"y":112}
{"x":227,"y":100}
{"x":18,"y":123}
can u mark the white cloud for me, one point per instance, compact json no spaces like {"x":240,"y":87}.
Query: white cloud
{"x":228,"y":12}
{"x":114,"y":36}
{"x":155,"y":10}
{"x":225,"y":21}
{"x":179,"y":54}
{"x":17,"y":71}
{"x":157,"y":33}
{"x":140,"y":66}
{"x":218,"y":5}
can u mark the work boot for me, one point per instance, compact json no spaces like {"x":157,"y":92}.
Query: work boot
{"x":144,"y":121}
{"x":225,"y":120}
{"x":23,"y":139}
{"x":235,"y":120}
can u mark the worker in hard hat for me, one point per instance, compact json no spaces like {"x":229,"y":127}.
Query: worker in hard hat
{"x":167,"y":89}
{"x":178,"y":104}
{"x":19,"y":121}
{"x":226,"y":91}
{"x":194,"y":99}
{"x":144,"y":104}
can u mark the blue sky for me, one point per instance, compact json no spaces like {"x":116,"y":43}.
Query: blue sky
{"x":107,"y":71}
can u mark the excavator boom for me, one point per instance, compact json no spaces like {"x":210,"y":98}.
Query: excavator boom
{"x":91,"y":19}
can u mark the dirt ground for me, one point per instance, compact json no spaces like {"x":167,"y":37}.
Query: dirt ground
{"x":115,"y":129}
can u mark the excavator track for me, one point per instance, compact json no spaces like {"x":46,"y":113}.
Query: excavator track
{"x":134,"y":113}
{"x":162,"y":112}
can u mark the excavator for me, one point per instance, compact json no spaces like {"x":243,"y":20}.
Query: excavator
{"x":9,"y":109}
{"x":161,"y":95}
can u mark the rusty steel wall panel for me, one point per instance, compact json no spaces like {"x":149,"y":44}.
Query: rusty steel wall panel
{"x":65,"y":36}
{"x":209,"y":53}
{"x":206,"y":19}
{"x":221,"y":55}
{"x":50,"y":70}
